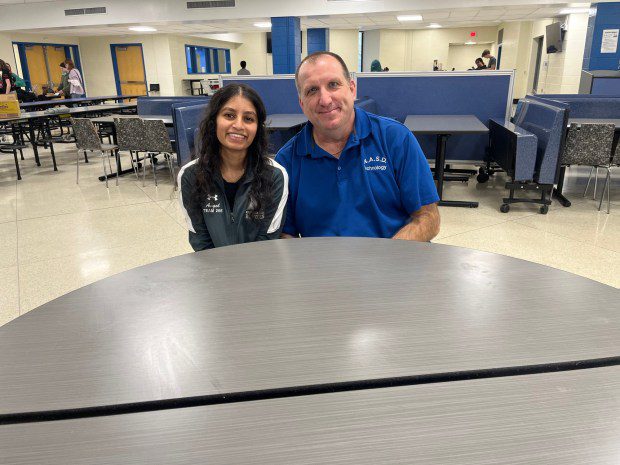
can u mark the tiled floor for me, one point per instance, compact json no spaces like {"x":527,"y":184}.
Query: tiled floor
{"x":56,"y":236}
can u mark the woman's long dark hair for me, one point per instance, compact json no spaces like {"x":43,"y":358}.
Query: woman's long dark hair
{"x":209,"y":162}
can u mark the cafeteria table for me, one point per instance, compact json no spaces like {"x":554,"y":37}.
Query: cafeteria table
{"x":567,"y":418}
{"x":27,"y":122}
{"x":443,"y":126}
{"x":300,"y":316}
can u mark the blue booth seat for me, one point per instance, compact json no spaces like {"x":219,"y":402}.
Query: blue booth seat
{"x":584,"y":106}
{"x":162,"y":106}
{"x":186,"y":120}
{"x":368,"y":104}
{"x":532,"y":166}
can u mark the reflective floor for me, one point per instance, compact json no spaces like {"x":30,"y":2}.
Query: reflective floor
{"x":56,"y":235}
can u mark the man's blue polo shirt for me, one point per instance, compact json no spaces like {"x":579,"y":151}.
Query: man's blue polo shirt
{"x":380,"y":179}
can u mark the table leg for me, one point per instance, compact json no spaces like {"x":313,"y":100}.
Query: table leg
{"x":557,"y":191}
{"x":33,"y":142}
{"x":440,"y":162}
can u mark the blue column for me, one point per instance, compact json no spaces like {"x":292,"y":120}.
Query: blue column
{"x":285,"y":44}
{"x":603,"y":16}
{"x":318,"y":40}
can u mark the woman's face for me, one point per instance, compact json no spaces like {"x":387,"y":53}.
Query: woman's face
{"x":236,"y":124}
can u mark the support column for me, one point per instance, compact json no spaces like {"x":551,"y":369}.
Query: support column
{"x":318,"y":40}
{"x":285,"y":44}
{"x":603,"y":16}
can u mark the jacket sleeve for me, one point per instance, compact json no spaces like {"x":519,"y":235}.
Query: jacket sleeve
{"x":275,"y":212}
{"x":199,"y":237}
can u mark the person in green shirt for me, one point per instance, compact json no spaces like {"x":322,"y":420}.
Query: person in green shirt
{"x":64,"y":87}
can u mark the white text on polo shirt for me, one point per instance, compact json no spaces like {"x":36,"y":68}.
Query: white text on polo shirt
{"x":212,"y":207}
{"x":376,"y":163}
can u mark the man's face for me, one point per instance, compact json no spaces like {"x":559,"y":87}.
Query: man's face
{"x":326,"y":97}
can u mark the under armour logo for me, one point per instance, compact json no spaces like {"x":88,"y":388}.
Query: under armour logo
{"x":212,"y":197}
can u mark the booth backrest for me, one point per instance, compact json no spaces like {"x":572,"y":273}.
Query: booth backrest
{"x":367,"y":104}
{"x":514,"y":149}
{"x":483,"y":94}
{"x":584,"y":106}
{"x":162,"y":106}
{"x":548,"y":123}
{"x":278,"y":93}
{"x":186,"y":120}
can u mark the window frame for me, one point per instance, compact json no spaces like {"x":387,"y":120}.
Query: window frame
{"x":192,"y":52}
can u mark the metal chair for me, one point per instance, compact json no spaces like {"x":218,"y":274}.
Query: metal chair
{"x":589,"y":145}
{"x":130,"y":137}
{"x":16,"y":145}
{"x":87,"y":139}
{"x":615,"y":161}
{"x":157,"y":142}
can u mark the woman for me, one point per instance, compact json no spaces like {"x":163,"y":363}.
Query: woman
{"x":64,"y":88}
{"x":6,"y":83}
{"x":233,"y":192}
{"x":375,"y":65}
{"x":75,"y":81}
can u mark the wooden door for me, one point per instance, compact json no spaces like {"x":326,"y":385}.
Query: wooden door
{"x":35,"y":56}
{"x":55,"y":55}
{"x":130,"y":65}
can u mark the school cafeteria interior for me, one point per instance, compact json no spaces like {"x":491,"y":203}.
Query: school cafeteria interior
{"x":497,"y":342}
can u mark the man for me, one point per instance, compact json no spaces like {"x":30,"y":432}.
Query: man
{"x":492,"y":60}
{"x":243,"y":71}
{"x":480,"y":64}
{"x":352,"y":173}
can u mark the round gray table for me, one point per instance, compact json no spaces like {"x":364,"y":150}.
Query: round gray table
{"x":299,"y":316}
{"x":567,"y":418}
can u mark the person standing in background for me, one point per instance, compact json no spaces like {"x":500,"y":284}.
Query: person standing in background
{"x":6,"y":82}
{"x":75,"y":81}
{"x":375,"y":66}
{"x":64,"y":88}
{"x":243,"y":71}
{"x":492,"y":60}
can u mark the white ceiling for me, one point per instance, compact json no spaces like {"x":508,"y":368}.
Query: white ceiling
{"x":447,"y":17}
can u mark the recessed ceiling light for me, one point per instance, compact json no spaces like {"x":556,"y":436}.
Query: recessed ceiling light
{"x":142,"y":29}
{"x":568,"y":11}
{"x":434,"y":25}
{"x":409,"y":18}
{"x":265,"y":24}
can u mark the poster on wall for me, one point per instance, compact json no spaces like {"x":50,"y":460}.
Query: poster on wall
{"x":609,"y":43}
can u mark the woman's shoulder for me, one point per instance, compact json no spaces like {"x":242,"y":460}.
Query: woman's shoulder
{"x":277,"y":170}
{"x":187,"y":173}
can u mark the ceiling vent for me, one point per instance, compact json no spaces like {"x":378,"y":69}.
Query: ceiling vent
{"x":86,"y":11}
{"x":213,"y":4}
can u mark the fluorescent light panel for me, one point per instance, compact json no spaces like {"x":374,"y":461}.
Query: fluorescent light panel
{"x":434,"y":26}
{"x":568,"y":11}
{"x":409,"y":18}
{"x":142,"y":29}
{"x":265,"y":24}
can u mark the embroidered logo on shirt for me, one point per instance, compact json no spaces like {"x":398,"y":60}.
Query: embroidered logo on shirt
{"x":375,"y":163}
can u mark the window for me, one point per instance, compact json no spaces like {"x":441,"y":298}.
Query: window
{"x":207,"y":60}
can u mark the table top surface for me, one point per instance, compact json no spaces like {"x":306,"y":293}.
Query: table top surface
{"x":445,"y":124}
{"x":285,"y":120}
{"x":306,"y":312}
{"x":614,"y":121}
{"x":110,"y":118}
{"x":566,"y":418}
{"x":70,"y":111}
{"x":56,"y":102}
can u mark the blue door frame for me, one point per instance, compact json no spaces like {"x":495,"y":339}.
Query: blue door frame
{"x":115,"y":65}
{"x":71,"y":52}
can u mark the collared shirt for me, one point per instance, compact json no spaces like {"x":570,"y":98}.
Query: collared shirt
{"x":371,"y":190}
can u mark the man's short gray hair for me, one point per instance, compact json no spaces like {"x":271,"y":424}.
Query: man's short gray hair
{"x":313,"y":57}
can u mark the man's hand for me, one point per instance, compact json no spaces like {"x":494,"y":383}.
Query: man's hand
{"x":424,"y":225}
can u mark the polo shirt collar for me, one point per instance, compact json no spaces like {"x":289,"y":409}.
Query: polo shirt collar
{"x":306,"y":145}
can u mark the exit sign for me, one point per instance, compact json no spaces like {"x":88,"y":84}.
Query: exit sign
{"x":472,"y":34}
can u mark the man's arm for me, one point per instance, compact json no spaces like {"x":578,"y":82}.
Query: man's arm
{"x":424,"y":225}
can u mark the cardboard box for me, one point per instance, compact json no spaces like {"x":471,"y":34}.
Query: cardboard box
{"x":9,"y":106}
